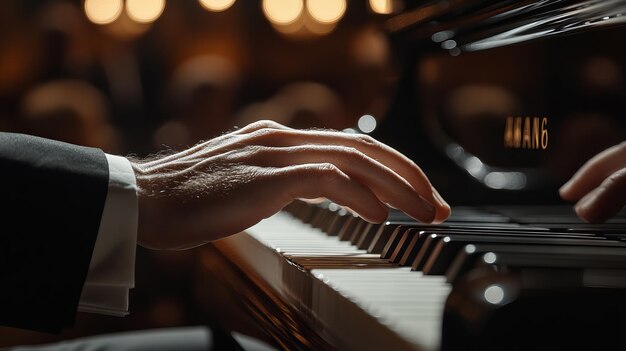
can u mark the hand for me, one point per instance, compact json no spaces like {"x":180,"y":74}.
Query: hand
{"x":599,"y":185}
{"x":227,"y":184}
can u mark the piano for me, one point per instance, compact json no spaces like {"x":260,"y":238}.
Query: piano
{"x":499,"y":102}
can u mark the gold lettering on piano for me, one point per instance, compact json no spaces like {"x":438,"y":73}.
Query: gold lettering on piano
{"x":526,"y":138}
{"x":526,"y":133}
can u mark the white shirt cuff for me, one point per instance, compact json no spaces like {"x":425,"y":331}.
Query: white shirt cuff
{"x":112,"y":269}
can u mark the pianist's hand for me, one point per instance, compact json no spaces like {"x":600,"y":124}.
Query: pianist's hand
{"x":599,"y":186}
{"x":227,"y":184}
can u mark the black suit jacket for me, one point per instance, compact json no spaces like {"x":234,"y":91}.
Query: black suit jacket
{"x":52,"y":197}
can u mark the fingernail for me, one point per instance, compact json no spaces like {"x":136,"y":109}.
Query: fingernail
{"x":583,"y":204}
{"x":565,"y":187}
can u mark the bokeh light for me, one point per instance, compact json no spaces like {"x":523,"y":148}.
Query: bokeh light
{"x":494,"y":294}
{"x":326,"y":11}
{"x":103,"y":11}
{"x":383,"y":7}
{"x":367,"y":123}
{"x":319,"y":28}
{"x":144,"y":11}
{"x":217,"y":5}
{"x":282,"y":12}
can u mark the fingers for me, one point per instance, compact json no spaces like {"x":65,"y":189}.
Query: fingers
{"x":387,"y":185}
{"x":387,"y":175}
{"x":605,"y":200}
{"x":594,"y":172}
{"x":384,"y":154}
{"x":326,"y":180}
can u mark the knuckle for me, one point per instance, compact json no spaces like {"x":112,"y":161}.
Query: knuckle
{"x":351,"y":153}
{"x":262,"y":134}
{"x":366,"y":139}
{"x":327,"y":172}
{"x":328,"y":168}
{"x":266,"y":123}
{"x":348,"y":150}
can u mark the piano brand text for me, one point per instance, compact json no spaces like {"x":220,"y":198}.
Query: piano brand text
{"x":526,"y":133}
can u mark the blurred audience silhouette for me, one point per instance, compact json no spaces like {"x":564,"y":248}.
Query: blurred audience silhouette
{"x":69,"y":110}
{"x":202,"y":91}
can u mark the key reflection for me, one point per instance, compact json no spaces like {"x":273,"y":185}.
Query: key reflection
{"x":494,"y":294}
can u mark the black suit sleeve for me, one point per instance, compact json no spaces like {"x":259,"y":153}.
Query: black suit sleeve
{"x":52,"y":196}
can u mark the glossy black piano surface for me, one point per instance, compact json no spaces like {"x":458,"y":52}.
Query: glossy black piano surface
{"x":472,"y":68}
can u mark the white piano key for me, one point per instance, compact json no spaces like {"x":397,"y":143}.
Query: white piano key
{"x":407,"y":302}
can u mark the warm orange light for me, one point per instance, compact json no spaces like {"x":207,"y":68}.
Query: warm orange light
{"x":290,"y":29}
{"x":103,"y":11}
{"x":282,"y":12}
{"x":319,"y":28}
{"x":217,"y":5}
{"x":383,"y":7}
{"x":326,"y":11}
{"x":144,"y":11}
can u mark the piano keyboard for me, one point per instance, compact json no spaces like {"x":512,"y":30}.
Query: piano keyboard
{"x":390,"y":286}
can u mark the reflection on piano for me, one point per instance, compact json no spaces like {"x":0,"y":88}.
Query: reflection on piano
{"x":513,"y":268}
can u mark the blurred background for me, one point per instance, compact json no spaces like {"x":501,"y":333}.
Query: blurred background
{"x":139,"y":76}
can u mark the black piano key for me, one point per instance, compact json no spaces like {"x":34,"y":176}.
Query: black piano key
{"x":383,"y":234}
{"x":393,"y":241}
{"x":294,"y":207}
{"x":348,"y":227}
{"x":411,"y":252}
{"x":367,"y":235}
{"x":441,"y":257}
{"x":337,"y":222}
{"x":426,"y":245}
{"x":300,"y":209}
{"x":330,"y":216}
{"x":402,"y":245}
{"x":318,"y":219}
{"x":309,"y":216}
{"x":358,"y":230}
{"x":418,"y":246}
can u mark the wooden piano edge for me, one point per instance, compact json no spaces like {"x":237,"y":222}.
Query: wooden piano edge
{"x":283,"y":323}
{"x":254,"y":307}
